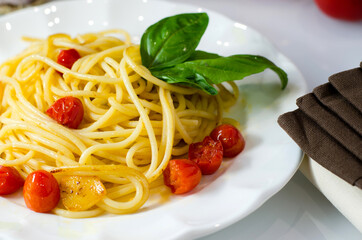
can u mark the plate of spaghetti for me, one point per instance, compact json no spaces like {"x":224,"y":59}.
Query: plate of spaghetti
{"x":121,"y":123}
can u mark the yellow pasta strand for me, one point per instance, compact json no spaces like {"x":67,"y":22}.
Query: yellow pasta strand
{"x":133,"y":123}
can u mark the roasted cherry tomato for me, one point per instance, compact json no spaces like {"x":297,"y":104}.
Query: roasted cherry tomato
{"x":207,"y":155}
{"x":68,"y":57}
{"x":350,"y":10}
{"x":181,"y":175}
{"x":67,"y":111}
{"x":230,"y":138}
{"x":41,"y":191}
{"x":10,"y":180}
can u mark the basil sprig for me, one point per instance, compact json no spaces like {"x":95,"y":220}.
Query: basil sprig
{"x":168,"y":51}
{"x":172,"y":40}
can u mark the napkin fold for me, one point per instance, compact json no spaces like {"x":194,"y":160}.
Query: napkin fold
{"x":335,"y":102}
{"x":328,"y":125}
{"x":331,"y":123}
{"x":322,"y":147}
{"x":349,"y":84}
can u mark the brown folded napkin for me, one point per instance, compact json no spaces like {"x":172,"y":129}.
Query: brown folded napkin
{"x":322,"y":147}
{"x":328,"y":125}
{"x":349,"y":84}
{"x":331,"y":123}
{"x":335,"y":102}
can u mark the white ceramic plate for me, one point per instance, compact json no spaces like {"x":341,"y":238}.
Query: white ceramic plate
{"x":237,"y":189}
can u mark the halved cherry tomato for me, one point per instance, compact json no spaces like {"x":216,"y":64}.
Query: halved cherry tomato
{"x":67,"y":111}
{"x":181,"y":175}
{"x":41,"y":191}
{"x":10,"y":180}
{"x":68,"y":57}
{"x":207,"y":155}
{"x":230,"y":138}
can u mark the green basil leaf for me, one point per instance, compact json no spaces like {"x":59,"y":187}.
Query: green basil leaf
{"x":185,"y":77}
{"x":172,"y":40}
{"x":236,"y":67}
{"x":199,"y":55}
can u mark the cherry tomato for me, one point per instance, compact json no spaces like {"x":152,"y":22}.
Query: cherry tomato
{"x":230,"y":138}
{"x":10,"y":180}
{"x":207,"y":155}
{"x":41,"y":191}
{"x":350,"y":10}
{"x":67,"y":111}
{"x":181,"y":175}
{"x":68,"y":57}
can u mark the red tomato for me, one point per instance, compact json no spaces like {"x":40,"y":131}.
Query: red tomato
{"x":343,"y":9}
{"x":67,"y":111}
{"x":10,"y":180}
{"x":207,"y":155}
{"x":68,"y":57}
{"x":230,"y":138}
{"x":181,"y":175}
{"x":41,"y":191}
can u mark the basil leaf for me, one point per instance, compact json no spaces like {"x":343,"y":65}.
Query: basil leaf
{"x":214,"y":69}
{"x":199,"y":55}
{"x":172,"y":40}
{"x":236,"y":67}
{"x":168,"y":51}
{"x":184,"y":76}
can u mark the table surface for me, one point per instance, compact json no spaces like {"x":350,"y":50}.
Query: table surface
{"x":319,"y":46}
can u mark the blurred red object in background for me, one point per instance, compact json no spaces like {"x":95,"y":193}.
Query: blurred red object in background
{"x":350,"y":10}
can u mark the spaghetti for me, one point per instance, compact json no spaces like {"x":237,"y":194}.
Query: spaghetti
{"x":133,"y":122}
